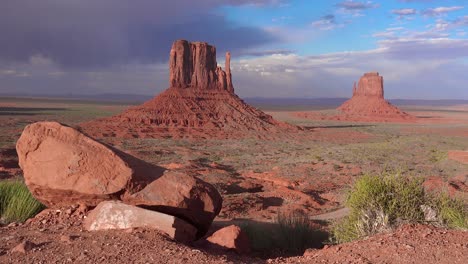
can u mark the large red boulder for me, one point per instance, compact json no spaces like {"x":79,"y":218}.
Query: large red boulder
{"x":180,"y":195}
{"x":65,"y":167}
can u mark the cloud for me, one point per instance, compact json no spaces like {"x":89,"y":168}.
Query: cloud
{"x":259,"y":53}
{"x":355,"y":8}
{"x":423,"y":64}
{"x":88,"y":33}
{"x":356,"y":5}
{"x":404,"y":11}
{"x":326,"y":22}
{"x":415,"y":1}
{"x":412,"y":68}
{"x":257,"y":2}
{"x":441,"y":10}
{"x":443,"y":25}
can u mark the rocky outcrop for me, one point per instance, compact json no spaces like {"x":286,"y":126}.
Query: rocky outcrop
{"x":368,"y":103}
{"x":116,"y":215}
{"x":370,"y":85}
{"x":193,"y":66}
{"x":65,"y":167}
{"x":200,"y":103}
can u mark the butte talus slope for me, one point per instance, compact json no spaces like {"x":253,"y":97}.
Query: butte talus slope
{"x":200,"y":103}
{"x":368,"y":102}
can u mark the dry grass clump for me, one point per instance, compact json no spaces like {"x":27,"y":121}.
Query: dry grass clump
{"x":16,"y":202}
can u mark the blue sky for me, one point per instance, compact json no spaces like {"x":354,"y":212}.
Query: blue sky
{"x":280,"y":48}
{"x":344,"y":25}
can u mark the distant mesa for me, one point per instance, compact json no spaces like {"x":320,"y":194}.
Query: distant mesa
{"x":199,"y":103}
{"x":368,"y":102}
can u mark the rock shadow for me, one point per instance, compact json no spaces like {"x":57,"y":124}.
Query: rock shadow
{"x":336,"y":126}
{"x":272,"y":240}
{"x":27,"y":111}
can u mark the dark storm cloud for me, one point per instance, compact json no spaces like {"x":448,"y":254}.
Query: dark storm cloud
{"x":97,"y":33}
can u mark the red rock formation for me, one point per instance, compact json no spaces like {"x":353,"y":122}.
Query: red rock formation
{"x":193,"y":65}
{"x":65,"y":167}
{"x":200,"y":103}
{"x":368,"y":103}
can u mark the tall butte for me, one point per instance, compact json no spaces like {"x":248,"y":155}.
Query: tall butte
{"x":199,"y":103}
{"x":368,"y":102}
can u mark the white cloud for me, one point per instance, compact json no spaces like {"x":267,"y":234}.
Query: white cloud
{"x":441,"y":10}
{"x":404,"y":11}
{"x":411,"y":67}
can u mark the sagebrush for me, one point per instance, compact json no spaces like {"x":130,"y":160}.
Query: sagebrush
{"x":381,"y":202}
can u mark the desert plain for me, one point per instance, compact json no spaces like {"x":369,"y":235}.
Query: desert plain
{"x":308,"y":171}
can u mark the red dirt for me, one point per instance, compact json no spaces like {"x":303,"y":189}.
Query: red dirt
{"x":458,"y":155}
{"x":58,"y":237}
{"x":409,"y":244}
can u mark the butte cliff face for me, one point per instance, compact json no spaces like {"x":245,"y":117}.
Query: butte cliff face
{"x":199,"y":103}
{"x":368,"y":103}
{"x":194,"y":66}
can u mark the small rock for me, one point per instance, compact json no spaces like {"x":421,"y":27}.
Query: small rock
{"x":24,"y":247}
{"x":429,"y":213}
{"x":66,"y":238}
{"x":129,"y":230}
{"x":14,"y":224}
{"x":231,"y":237}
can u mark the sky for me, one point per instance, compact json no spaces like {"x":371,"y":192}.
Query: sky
{"x":280,"y":48}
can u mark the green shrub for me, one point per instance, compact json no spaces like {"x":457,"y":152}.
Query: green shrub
{"x":16,"y":202}
{"x":379,"y":202}
{"x":452,"y":212}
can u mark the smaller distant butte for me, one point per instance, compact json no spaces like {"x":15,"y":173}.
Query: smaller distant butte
{"x":368,"y":101}
{"x":367,"y":104}
{"x":199,"y":103}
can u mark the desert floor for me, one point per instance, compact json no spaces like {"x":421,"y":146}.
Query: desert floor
{"x":259,"y":178}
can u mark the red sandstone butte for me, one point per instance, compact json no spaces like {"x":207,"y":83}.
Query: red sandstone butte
{"x":368,"y":102}
{"x":199,"y":103}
